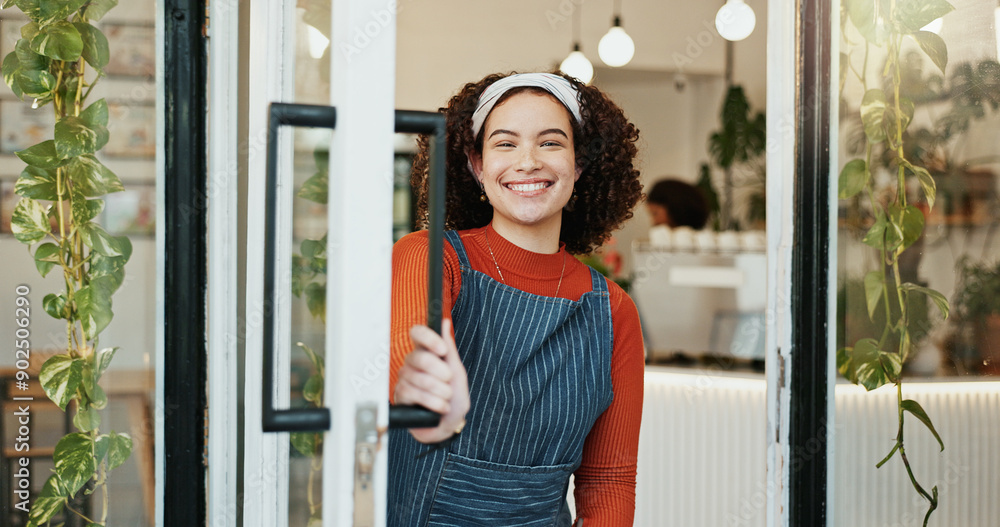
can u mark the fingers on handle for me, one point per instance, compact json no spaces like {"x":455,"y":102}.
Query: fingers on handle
{"x":424,"y":337}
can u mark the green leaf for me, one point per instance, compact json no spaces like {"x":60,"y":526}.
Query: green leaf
{"x":112,"y":267}
{"x":304,"y":442}
{"x":60,"y":377}
{"x":874,"y":286}
{"x":98,"y":399}
{"x":98,"y":8}
{"x":87,"y":419}
{"x":119,"y":449}
{"x":26,"y":57}
{"x":915,"y":14}
{"x":7,"y":3}
{"x":85,"y":209}
{"x":96,"y":115}
{"x":74,"y":137}
{"x":10,"y":68}
{"x":37,"y":183}
{"x":42,"y":155}
{"x":873,"y":106}
{"x":74,"y":460}
{"x":48,"y":503}
{"x":862,"y":15}
{"x":101,"y":446}
{"x":59,"y":41}
{"x":871,"y":366}
{"x":927,"y":183}
{"x":102,"y":360}
{"x":93,"y":178}
{"x":34,"y":83}
{"x":914,"y":408}
{"x":934,"y":47}
{"x":844,"y":365}
{"x":894,"y":228}
{"x":315,"y":188}
{"x":313,"y":390}
{"x":853,"y":178}
{"x":313,"y":248}
{"x":45,"y":12}
{"x":28,"y":32}
{"x":912,"y":225}
{"x":93,"y":306}
{"x":29,"y":222}
{"x":316,"y":299}
{"x":95,"y":237}
{"x":875,"y":237}
{"x":95,"y":46}
{"x":939,"y":300}
{"x":46,"y":257}
{"x":892,"y":128}
{"x":55,"y":305}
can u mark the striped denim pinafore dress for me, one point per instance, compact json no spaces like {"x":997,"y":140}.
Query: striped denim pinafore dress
{"x":539,"y":376}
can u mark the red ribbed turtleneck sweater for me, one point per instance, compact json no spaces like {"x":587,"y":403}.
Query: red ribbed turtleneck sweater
{"x":605,"y":482}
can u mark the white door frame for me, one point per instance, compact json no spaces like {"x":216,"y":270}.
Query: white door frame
{"x":271,"y":79}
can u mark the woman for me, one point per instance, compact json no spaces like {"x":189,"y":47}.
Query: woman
{"x":674,"y":203}
{"x":542,"y":376}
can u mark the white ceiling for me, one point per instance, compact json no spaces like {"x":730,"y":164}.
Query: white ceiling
{"x":442,"y":44}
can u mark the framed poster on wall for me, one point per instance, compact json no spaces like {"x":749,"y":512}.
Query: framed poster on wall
{"x":22,"y":126}
{"x":133,"y":53}
{"x":132,"y":130}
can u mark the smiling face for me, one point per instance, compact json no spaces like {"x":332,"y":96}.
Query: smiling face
{"x":528,"y":164}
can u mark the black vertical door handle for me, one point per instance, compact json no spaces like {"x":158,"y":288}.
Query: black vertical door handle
{"x":283,"y":114}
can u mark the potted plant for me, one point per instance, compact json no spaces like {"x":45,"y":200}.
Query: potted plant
{"x":977,"y":304}
{"x":739,"y":143}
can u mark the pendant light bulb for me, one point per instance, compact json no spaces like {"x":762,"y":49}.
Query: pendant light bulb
{"x":616,"y":47}
{"x":577,"y":65}
{"x":317,"y":42}
{"x":735,"y":20}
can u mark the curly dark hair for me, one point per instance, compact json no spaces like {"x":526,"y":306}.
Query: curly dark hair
{"x":605,"y":148}
{"x":685,"y":203}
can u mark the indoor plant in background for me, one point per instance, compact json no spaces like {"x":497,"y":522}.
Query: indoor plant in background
{"x":739,"y":146}
{"x":977,"y":303}
{"x":56,"y":63}
{"x":896,"y":222}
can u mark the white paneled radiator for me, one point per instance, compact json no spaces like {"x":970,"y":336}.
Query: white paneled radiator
{"x":702,"y":453}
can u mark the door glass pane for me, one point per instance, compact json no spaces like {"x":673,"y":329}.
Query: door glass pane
{"x":308,"y":280}
{"x":918,"y":264}
{"x":93,"y":259}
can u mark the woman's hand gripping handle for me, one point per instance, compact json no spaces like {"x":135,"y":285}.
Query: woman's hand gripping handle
{"x":432,"y":376}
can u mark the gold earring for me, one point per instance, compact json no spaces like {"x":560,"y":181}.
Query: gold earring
{"x":572,"y":202}
{"x":482,"y":197}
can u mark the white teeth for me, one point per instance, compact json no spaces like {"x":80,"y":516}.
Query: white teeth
{"x":527,"y":188}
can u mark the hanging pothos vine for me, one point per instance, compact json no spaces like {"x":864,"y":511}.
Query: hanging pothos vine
{"x":878,"y":359}
{"x":309,"y":280}
{"x":59,"y":200}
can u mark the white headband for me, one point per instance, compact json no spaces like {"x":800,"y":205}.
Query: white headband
{"x":559,"y":87}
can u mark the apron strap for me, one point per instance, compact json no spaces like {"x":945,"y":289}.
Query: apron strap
{"x":456,"y":243}
{"x":598,"y":282}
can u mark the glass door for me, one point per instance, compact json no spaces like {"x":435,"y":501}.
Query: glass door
{"x":318,"y":262}
{"x":917,"y":263}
